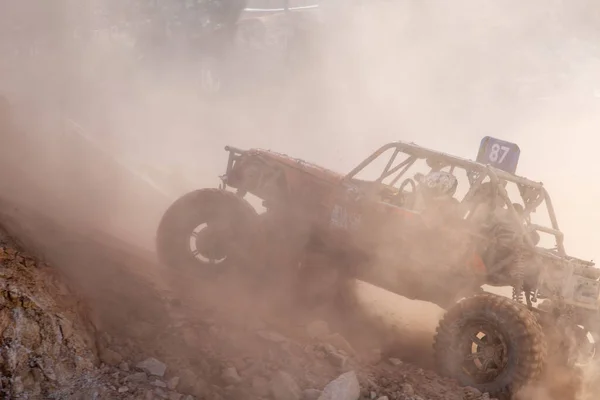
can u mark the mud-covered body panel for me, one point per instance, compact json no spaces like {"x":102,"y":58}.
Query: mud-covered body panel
{"x":297,"y":164}
{"x":392,"y":245}
{"x":261,"y":171}
{"x":369,"y":221}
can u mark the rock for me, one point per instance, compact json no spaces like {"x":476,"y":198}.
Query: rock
{"x":339,"y":342}
{"x":231,"y":376}
{"x":175,"y":396}
{"x":472,"y":393}
{"x":344,"y":387}
{"x":152,"y":366}
{"x":317,"y":329}
{"x":124,"y":366}
{"x":311,"y":394}
{"x":123,"y":389}
{"x":395,"y":361}
{"x":137,"y":377}
{"x":260,"y":386}
{"x":338,"y":360}
{"x":408,"y":389}
{"x":66,"y":327}
{"x":159,"y":383}
{"x":333,"y":355}
{"x":284,"y":387}
{"x":383,"y":398}
{"x":189,"y":381}
{"x":272,"y":336}
{"x":173,"y":382}
{"x":327,"y":348}
{"x":110,"y":357}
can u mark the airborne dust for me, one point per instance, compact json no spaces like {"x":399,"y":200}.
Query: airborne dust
{"x":440,"y":74}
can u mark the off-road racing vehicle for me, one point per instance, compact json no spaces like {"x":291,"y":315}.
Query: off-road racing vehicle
{"x":420,"y":223}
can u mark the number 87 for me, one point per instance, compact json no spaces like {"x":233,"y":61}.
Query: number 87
{"x":498,"y":153}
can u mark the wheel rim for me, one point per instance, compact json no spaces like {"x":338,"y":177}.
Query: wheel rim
{"x":484,"y":353}
{"x":207,"y":243}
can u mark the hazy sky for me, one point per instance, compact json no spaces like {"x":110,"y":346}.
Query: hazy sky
{"x":441,"y":74}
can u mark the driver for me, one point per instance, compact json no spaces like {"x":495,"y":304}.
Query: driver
{"x":436,"y":191}
{"x":493,"y":220}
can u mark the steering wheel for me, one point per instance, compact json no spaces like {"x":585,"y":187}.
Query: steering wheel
{"x":407,"y":201}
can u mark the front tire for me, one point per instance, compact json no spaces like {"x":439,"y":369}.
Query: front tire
{"x":490,"y":343}
{"x":208,"y":229}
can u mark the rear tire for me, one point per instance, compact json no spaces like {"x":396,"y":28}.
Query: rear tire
{"x":209,"y":230}
{"x":490,"y":343}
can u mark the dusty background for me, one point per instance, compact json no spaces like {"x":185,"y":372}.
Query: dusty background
{"x":441,"y":75}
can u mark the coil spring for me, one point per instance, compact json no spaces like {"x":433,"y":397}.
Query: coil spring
{"x":518,"y":277}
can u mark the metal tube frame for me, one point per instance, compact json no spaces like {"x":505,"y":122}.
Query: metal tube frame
{"x":495,"y":175}
{"x":234,"y":155}
{"x":415,"y":152}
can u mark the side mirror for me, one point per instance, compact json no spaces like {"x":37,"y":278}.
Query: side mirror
{"x":419,"y":177}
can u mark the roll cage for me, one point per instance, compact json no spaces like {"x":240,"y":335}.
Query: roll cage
{"x":532,"y":194}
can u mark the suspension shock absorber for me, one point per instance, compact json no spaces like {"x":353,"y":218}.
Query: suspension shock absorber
{"x":518,"y":277}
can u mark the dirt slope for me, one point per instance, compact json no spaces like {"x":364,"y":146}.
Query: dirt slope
{"x":88,"y":315}
{"x":47,"y":342}
{"x":214,"y":343}
{"x":138,"y":331}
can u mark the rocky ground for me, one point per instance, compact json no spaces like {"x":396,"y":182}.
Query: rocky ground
{"x":118,"y":335}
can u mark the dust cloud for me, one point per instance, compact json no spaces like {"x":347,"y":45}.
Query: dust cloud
{"x":440,"y":74}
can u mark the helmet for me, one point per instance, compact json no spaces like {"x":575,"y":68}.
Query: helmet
{"x":439,"y":184}
{"x":435,"y":163}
